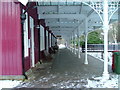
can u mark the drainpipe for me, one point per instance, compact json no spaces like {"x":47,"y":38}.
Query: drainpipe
{"x":22,"y":25}
{"x":23,"y":17}
{"x":86,"y":36}
{"x":105,"y":29}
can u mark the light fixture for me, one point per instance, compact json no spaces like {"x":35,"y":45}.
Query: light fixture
{"x":23,"y":15}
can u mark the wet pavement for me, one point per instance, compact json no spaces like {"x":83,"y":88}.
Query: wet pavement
{"x":65,"y":71}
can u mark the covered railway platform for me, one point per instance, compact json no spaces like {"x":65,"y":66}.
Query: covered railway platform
{"x":39,"y":23}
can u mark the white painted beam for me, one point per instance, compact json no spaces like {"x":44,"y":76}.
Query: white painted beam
{"x":71,"y":16}
{"x":62,"y":28}
{"x":63,"y":24}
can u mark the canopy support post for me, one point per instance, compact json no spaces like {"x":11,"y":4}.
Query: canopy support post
{"x":79,"y":43}
{"x":72,"y":43}
{"x":105,"y":29}
{"x":75,"y":44}
{"x":86,"y":36}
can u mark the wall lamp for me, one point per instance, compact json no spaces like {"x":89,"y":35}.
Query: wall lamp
{"x":23,"y":15}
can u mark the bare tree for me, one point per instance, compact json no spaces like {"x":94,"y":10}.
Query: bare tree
{"x":113,"y":31}
{"x":119,"y":31}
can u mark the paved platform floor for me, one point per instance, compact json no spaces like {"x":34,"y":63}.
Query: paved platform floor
{"x":65,"y":71}
{"x":66,"y":62}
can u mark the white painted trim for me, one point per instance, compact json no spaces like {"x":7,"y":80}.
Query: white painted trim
{"x":32,"y":42}
{"x":26,"y":41}
{"x":42,"y":38}
{"x":50,"y":39}
{"x":47,"y":46}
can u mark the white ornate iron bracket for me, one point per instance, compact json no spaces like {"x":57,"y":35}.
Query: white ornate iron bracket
{"x":98,"y":7}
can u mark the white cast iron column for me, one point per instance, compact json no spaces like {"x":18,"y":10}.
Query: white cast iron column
{"x":69,"y":43}
{"x":86,"y":35}
{"x":105,"y":28}
{"x":75,"y":44}
{"x":72,"y":43}
{"x":79,"y":43}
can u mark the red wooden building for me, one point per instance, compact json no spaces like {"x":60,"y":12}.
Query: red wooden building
{"x":22,"y":40}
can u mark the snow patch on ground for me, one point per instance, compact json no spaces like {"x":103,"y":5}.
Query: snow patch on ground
{"x":98,"y":55}
{"x":26,"y":85}
{"x":94,"y":82}
{"x":45,"y":79}
{"x":9,"y":83}
{"x":100,"y":83}
{"x":70,"y":84}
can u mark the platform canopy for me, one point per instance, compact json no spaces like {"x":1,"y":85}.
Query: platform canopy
{"x":72,"y":18}
{"x":65,"y":16}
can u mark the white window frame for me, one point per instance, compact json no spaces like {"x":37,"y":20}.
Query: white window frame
{"x":47,"y":46}
{"x":26,"y":40}
{"x":42,"y":38}
{"x":32,"y":42}
{"x":50,"y":39}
